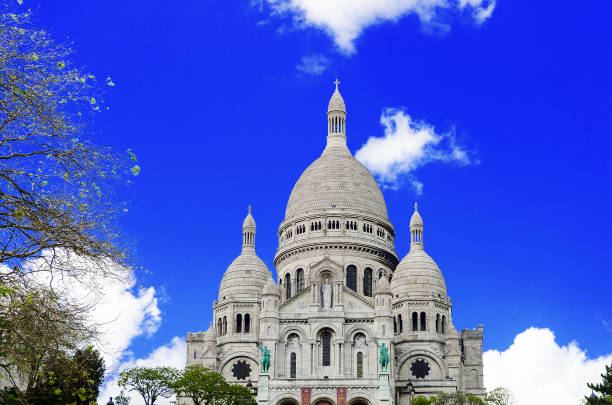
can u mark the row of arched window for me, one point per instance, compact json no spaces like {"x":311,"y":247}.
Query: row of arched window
{"x":351,"y":279}
{"x":351,"y":225}
{"x":315,"y":226}
{"x":419,"y":323}
{"x":336,"y":125}
{"x":242,"y":324}
{"x":299,"y":283}
{"x":333,"y":224}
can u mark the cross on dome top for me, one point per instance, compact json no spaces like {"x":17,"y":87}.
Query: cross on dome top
{"x":337,"y":82}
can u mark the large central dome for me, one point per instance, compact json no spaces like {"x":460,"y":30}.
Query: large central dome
{"x":336,"y":180}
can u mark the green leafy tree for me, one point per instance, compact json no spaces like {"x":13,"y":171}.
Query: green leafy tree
{"x":201,"y":385}
{"x":204,"y":386}
{"x":456,"y":398}
{"x":57,"y":197}
{"x":69,"y":380}
{"x":422,"y":401}
{"x":239,"y":395}
{"x":38,"y":326}
{"x":603,"y":390}
{"x":150,"y":382}
{"x":500,"y":396}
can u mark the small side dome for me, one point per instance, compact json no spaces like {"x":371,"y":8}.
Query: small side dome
{"x":247,"y":274}
{"x":270,"y":288}
{"x":336,"y":103}
{"x":382,"y":286}
{"x":418,"y":275}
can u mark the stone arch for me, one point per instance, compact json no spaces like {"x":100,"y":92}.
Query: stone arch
{"x":353,"y":330}
{"x":359,"y":397}
{"x":424,"y":353}
{"x":332,"y":327}
{"x":322,"y":397}
{"x":288,"y":399}
{"x":231,"y":356}
{"x":336,"y":269}
{"x":293,"y":329}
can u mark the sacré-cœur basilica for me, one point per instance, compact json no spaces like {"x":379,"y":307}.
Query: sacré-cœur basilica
{"x":348,"y":323}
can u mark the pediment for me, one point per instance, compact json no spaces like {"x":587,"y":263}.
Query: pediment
{"x":327,"y":264}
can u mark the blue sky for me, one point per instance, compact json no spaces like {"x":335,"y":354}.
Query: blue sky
{"x":224,"y":103}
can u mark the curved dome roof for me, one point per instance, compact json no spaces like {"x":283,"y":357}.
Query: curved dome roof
{"x":247,"y":275}
{"x":417,"y":275}
{"x":336,"y":180}
{"x":336,"y":103}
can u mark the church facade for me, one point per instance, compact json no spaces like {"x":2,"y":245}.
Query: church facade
{"x":343,"y":300}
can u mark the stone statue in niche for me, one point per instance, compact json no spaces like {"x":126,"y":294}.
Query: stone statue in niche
{"x":326,"y":294}
{"x":359,"y":340}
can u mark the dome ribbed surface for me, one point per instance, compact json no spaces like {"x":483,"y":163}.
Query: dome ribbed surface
{"x":336,"y":179}
{"x":417,"y":275}
{"x":336,"y":102}
{"x":416,"y":219}
{"x":246,"y":275}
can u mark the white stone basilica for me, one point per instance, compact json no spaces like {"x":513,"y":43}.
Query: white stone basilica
{"x":341,"y":292}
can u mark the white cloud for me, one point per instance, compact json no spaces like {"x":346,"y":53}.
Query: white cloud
{"x":539,"y":371}
{"x":313,"y":64}
{"x":171,"y":355}
{"x":120,"y":310}
{"x":406,"y":146}
{"x":344,"y":20}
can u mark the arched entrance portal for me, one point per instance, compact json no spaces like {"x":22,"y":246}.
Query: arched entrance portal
{"x":359,"y":401}
{"x":287,"y":401}
{"x":323,"y":402}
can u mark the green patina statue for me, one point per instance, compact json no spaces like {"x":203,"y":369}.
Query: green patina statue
{"x":264,"y":359}
{"x":383,"y":358}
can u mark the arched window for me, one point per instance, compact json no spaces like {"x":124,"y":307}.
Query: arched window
{"x":380,"y":274}
{"x":367,"y":282}
{"x":351,"y":277}
{"x":195,"y":355}
{"x":399,"y":323}
{"x":326,"y":347}
{"x":288,"y":285}
{"x":293,"y":365}
{"x":219,"y":327}
{"x":394,"y":325}
{"x":423,"y":322}
{"x":224,"y":325}
{"x":443,"y":324}
{"x":415,"y":322}
{"x":299,"y":276}
{"x":247,"y":323}
{"x":359,"y":365}
{"x":437,"y":323}
{"x":238,"y":323}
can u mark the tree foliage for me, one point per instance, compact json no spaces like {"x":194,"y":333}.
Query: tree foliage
{"x":204,"y":386}
{"x":603,"y":390}
{"x":150,"y":382}
{"x":58,"y":197}
{"x":500,"y":396}
{"x":63,"y":379}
